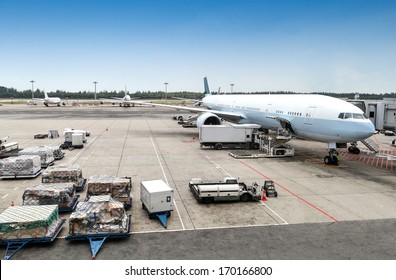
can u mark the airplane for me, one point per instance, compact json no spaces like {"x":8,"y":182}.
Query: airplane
{"x":124,"y":101}
{"x":309,"y":116}
{"x":48,"y":100}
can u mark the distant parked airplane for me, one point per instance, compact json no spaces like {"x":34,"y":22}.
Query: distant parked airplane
{"x":47,"y":100}
{"x":124,"y":101}
{"x":310,"y":116}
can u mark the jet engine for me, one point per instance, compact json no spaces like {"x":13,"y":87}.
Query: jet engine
{"x":208,"y":119}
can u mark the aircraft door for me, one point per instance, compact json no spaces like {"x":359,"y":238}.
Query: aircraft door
{"x":309,"y":113}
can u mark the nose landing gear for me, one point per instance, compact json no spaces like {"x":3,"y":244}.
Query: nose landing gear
{"x":353,"y":149}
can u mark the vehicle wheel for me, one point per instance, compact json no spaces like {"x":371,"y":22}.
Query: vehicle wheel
{"x":357,"y":151}
{"x":144,"y":207}
{"x":276,"y":194}
{"x":327,"y":160}
{"x":168,"y":214}
{"x":335,"y":161}
{"x":218,"y":146}
{"x":245,"y":197}
{"x":256,"y":146}
{"x":151,"y":216}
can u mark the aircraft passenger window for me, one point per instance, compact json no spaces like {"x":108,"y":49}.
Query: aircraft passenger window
{"x":348,"y":115}
{"x":341,"y":116}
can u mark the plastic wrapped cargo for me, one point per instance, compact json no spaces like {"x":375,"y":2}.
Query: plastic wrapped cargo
{"x":56,"y":152}
{"x":45,"y":153}
{"x":19,"y":222}
{"x":61,"y":194}
{"x":118,"y":188}
{"x":25,"y":165}
{"x":63,"y":173}
{"x":99,"y":215}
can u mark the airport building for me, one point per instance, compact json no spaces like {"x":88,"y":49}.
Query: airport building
{"x":381,"y":112}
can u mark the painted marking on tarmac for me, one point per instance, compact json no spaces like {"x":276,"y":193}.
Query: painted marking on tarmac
{"x":228,"y":174}
{"x":90,"y":143}
{"x":5,"y":196}
{"x":296,"y":195}
{"x":166,"y":179}
{"x":283,"y":220}
{"x":217,"y":166}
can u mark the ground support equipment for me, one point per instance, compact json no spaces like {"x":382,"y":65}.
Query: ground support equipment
{"x":20,"y":176}
{"x":96,"y":240}
{"x":71,"y":207}
{"x":14,"y":245}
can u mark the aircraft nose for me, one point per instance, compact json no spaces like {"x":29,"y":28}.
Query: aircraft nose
{"x":366,"y":129}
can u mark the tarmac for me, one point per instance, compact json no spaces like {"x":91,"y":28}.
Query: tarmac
{"x":346,"y":211}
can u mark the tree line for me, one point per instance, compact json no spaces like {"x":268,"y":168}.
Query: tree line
{"x":27,"y":94}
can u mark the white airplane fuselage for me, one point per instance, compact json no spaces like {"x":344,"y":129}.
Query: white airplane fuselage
{"x":313,"y":117}
{"x":52,"y":101}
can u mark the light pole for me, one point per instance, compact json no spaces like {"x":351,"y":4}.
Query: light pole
{"x":166,"y":91}
{"x":95,"y":88}
{"x":32,"y":88}
{"x":232,"y":85}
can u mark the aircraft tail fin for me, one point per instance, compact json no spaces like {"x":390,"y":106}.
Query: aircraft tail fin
{"x":206,"y":87}
{"x":45,"y":95}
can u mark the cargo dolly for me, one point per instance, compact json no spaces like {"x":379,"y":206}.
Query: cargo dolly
{"x":96,"y":240}
{"x":162,"y":216}
{"x":14,"y":245}
{"x":40,"y":136}
{"x":81,"y":187}
{"x":16,"y":176}
{"x":63,"y":209}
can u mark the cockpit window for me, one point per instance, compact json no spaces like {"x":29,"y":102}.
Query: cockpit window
{"x":352,"y":115}
{"x":358,"y":116}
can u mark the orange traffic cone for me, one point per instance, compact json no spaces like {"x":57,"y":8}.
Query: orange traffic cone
{"x":264,"y":196}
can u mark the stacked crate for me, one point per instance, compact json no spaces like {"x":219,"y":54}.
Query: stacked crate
{"x":61,"y":194}
{"x":99,"y":215}
{"x":26,"y":165}
{"x":63,"y":173}
{"x":118,"y":188}
{"x":45,"y":153}
{"x":20,"y":222}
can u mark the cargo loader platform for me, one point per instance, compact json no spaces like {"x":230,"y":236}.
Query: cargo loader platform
{"x":14,"y":245}
{"x":63,"y":209}
{"x":16,"y":176}
{"x":97,"y":240}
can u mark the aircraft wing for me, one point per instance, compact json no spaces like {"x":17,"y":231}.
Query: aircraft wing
{"x":196,"y":102}
{"x":230,"y":116}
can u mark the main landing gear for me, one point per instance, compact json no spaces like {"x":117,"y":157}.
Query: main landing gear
{"x":332,"y":157}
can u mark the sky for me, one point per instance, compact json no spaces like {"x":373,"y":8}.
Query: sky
{"x":257,"y":45}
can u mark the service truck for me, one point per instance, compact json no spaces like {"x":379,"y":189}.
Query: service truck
{"x":227,"y":190}
{"x":228,"y":136}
